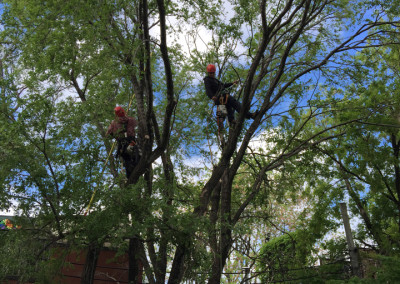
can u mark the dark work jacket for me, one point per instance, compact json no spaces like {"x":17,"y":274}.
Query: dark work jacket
{"x":215,"y":87}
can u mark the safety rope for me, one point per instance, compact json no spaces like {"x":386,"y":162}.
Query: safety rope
{"x":105,"y":163}
{"x":102,"y":171}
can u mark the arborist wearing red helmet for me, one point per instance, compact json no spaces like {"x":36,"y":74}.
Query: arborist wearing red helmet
{"x":122,"y":128}
{"x":216,"y":90}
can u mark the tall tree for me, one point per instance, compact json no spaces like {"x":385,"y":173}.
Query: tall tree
{"x":71,"y":66}
{"x":291,"y":40}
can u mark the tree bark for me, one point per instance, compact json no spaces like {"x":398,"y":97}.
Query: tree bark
{"x":225,"y":240}
{"x":168,"y":196}
{"x":89,"y":269}
{"x":177,"y":269}
{"x":133,"y":256}
{"x":396,"y":152}
{"x":354,"y":257}
{"x":213,"y":237}
{"x":364,"y":215}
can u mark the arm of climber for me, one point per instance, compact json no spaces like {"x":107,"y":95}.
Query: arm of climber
{"x":111,"y":129}
{"x":130,"y":127}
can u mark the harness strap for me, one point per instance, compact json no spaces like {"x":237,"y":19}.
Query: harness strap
{"x":221,"y":99}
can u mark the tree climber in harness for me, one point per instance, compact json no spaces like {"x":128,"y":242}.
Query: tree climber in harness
{"x":122,"y":128}
{"x":216,"y":90}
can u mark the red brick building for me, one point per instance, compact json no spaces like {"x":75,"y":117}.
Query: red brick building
{"x":109,"y":268}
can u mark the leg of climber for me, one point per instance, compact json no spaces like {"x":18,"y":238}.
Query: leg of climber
{"x":131,"y":157}
{"x":128,"y":164}
{"x":233,"y":103}
{"x":231,"y":113}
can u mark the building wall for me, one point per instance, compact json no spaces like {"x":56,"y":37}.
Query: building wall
{"x":109,"y":269}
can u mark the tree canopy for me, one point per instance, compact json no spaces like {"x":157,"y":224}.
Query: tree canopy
{"x":323,"y":74}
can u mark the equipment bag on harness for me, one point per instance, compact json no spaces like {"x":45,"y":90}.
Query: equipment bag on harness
{"x":222,"y":112}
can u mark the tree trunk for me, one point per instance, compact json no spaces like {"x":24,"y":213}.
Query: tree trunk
{"x":354,"y":257}
{"x":168,"y":195}
{"x":364,"y":215}
{"x":396,"y":153}
{"x":225,"y":240}
{"x":89,"y":269}
{"x":213,"y":236}
{"x":178,"y":265}
{"x":133,"y":255}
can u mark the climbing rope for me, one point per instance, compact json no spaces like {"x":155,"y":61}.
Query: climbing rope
{"x":105,"y":163}
{"x":101,"y":174}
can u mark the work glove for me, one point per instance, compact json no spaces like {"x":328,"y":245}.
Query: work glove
{"x":130,"y":149}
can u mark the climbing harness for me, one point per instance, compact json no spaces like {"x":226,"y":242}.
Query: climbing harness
{"x":222,"y":113}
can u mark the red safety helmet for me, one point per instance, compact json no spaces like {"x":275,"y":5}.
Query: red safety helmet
{"x":119,"y":111}
{"x":211,"y":68}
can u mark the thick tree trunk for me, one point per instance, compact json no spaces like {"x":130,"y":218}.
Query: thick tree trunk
{"x":354,"y":257}
{"x":178,"y":265}
{"x":89,"y":269}
{"x":225,"y":240}
{"x":396,"y":153}
{"x":133,"y":256}
{"x":213,"y":237}
{"x":168,"y":195}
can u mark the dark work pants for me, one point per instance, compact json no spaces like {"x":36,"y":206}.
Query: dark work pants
{"x":129,"y":164}
{"x":130,"y":160}
{"x":231,"y":105}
